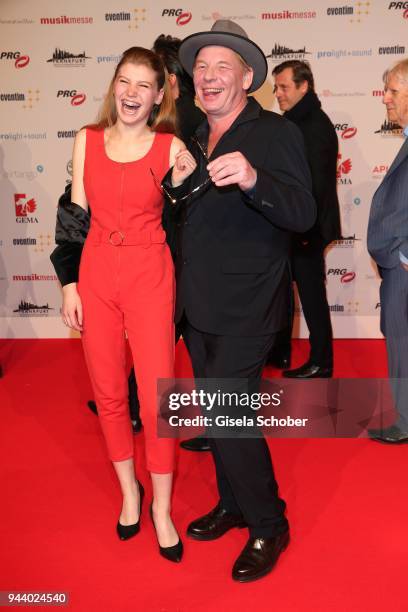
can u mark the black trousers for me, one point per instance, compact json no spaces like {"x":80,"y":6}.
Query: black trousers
{"x":308,"y":271}
{"x":245,"y":477}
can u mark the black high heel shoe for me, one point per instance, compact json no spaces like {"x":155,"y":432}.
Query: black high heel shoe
{"x":128,"y":531}
{"x":171,"y":553}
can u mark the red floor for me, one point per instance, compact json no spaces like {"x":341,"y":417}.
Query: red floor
{"x":346,"y":499}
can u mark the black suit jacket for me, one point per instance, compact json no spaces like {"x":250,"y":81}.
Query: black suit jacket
{"x":232,"y":264}
{"x":321,"y":149}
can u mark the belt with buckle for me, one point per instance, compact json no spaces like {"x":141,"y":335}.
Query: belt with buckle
{"x":126,"y":237}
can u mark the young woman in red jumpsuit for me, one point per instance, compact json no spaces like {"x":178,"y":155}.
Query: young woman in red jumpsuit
{"x":126,"y":277}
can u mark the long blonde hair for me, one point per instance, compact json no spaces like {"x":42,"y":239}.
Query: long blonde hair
{"x":163,"y":116}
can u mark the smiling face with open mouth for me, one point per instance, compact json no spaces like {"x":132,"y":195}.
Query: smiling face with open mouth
{"x":220,"y":80}
{"x":135,"y":92}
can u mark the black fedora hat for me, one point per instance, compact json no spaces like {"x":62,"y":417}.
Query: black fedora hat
{"x":226,"y":33}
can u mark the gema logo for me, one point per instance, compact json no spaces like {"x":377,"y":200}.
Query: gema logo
{"x":343,"y":168}
{"x":182,"y":17}
{"x":24,"y":208}
{"x":20,"y":61}
{"x":73,"y":95}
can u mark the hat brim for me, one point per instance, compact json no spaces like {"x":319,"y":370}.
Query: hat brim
{"x":247,"y":49}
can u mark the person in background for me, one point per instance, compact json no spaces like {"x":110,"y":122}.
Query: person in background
{"x":189,"y":117}
{"x":294,"y":90}
{"x":387,"y":241}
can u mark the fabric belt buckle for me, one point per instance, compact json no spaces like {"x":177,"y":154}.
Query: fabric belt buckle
{"x":118,"y":240}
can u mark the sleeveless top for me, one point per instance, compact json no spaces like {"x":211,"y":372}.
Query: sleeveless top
{"x":124,"y":195}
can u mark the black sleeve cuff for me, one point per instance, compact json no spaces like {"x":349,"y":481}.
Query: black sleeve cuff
{"x":66,"y":258}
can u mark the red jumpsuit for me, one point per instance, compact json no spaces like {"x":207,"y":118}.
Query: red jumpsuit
{"x":126,"y":282}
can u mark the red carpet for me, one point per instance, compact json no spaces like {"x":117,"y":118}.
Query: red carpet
{"x":346,"y":505}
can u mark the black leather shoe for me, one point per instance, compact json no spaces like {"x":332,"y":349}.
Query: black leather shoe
{"x":389,"y":435}
{"x":259,"y":557}
{"x":92,"y":406}
{"x":171,"y":553}
{"x":200,"y":443}
{"x":213,"y":525}
{"x":308,"y":370}
{"x":128,"y":531}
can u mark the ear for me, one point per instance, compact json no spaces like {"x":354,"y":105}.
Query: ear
{"x":172,"y":79}
{"x":159,"y":97}
{"x":304,"y":87}
{"x":247,"y":79}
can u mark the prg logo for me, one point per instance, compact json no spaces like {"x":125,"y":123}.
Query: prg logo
{"x":73,"y":95}
{"x":20,"y":61}
{"x":182,"y":17}
{"x":346,"y":276}
{"x":345,"y":130}
{"x":399,"y":6}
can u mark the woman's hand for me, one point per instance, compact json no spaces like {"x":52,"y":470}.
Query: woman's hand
{"x":184,"y":165}
{"x":71,"y":310}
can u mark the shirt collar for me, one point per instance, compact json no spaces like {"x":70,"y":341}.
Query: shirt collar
{"x":251,"y":111}
{"x":405,"y":130}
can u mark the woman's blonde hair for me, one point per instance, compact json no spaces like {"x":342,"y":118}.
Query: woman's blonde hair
{"x":163,"y":116}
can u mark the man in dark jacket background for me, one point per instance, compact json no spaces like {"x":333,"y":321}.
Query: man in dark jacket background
{"x":294,"y":89}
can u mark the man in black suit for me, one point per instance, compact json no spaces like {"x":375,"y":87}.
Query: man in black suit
{"x":294,"y":89}
{"x":243,"y":187}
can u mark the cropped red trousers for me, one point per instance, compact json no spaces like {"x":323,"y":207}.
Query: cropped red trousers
{"x":129,"y":288}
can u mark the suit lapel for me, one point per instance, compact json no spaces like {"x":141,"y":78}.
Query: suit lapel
{"x":400,"y":157}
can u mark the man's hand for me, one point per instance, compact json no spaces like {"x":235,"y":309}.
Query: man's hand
{"x":405,"y":266}
{"x":184,"y":165}
{"x":232,"y":169}
{"x":72,"y":307}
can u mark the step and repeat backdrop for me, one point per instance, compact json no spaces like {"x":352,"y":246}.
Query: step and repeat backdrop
{"x":56,"y":60}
